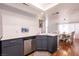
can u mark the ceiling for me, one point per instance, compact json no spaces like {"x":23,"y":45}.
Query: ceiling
{"x":68,"y":13}
{"x":57,"y":12}
{"x":32,"y":8}
{"x":21,"y":8}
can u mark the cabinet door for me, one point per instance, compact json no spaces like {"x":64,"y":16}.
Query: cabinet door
{"x":44,"y":44}
{"x":0,"y":49}
{"x":33,"y":43}
{"x":38,"y":44}
{"x":12,"y":47}
{"x":52,"y":44}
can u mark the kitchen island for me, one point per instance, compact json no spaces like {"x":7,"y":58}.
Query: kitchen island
{"x":25,"y":45}
{"x":45,"y":42}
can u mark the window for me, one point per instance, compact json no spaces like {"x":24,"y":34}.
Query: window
{"x":66,"y":28}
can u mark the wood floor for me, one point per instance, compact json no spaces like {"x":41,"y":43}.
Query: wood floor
{"x":66,"y":49}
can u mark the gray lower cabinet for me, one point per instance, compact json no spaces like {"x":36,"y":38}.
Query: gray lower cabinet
{"x":33,"y":43}
{"x":38,"y":44}
{"x":41,"y":43}
{"x":45,"y":43}
{"x":52,"y":43}
{"x":12,"y":47}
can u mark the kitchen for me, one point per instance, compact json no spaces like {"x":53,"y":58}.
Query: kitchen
{"x":28,"y":30}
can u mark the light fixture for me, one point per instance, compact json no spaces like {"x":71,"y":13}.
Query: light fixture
{"x":56,"y":13}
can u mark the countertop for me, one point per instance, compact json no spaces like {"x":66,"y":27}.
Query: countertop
{"x":31,"y":36}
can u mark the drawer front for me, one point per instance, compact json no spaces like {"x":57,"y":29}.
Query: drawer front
{"x":13,"y":42}
{"x":11,"y":51}
{"x":12,"y":47}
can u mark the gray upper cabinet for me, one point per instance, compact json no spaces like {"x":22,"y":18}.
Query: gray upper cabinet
{"x":0,"y":27}
{"x":12,"y":47}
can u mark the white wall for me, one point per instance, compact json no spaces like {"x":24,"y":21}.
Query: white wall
{"x":52,"y":24}
{"x":52,"y":27}
{"x":13,"y":22}
{"x":68,"y":13}
{"x":0,"y":26}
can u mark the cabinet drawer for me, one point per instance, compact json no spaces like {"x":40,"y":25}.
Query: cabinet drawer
{"x":12,"y":47}
{"x":12,"y":51}
{"x":8,"y":43}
